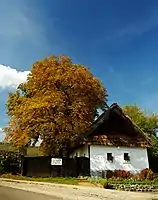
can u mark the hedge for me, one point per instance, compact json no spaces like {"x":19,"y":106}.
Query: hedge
{"x":9,"y":162}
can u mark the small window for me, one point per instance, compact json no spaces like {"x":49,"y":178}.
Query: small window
{"x":109,"y":157}
{"x":126,"y":157}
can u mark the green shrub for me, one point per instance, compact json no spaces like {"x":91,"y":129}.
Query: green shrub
{"x":109,"y":174}
{"x":9,"y":162}
{"x":105,"y":185}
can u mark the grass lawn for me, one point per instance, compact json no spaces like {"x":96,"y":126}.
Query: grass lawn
{"x":59,"y":180}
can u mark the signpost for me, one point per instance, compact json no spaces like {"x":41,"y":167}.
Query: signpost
{"x":56,"y":161}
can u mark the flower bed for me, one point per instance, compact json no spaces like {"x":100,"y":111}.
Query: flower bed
{"x":144,"y":181}
{"x":133,"y":187}
{"x":145,"y":174}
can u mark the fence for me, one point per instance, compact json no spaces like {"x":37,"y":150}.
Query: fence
{"x":41,"y":167}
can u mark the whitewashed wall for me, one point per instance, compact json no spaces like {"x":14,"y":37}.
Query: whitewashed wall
{"x":99,"y":162}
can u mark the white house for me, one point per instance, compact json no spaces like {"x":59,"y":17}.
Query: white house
{"x":113,"y":142}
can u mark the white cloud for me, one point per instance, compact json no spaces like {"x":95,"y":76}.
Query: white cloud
{"x":11,"y":78}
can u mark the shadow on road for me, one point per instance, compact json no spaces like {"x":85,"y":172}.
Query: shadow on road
{"x":7,"y":193}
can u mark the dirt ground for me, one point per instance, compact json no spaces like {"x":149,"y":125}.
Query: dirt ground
{"x":48,"y":191}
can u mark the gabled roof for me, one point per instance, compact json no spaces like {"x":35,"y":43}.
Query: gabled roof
{"x":133,"y":137}
{"x":116,"y":108}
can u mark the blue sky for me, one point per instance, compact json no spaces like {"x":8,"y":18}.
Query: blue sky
{"x":116,"y":39}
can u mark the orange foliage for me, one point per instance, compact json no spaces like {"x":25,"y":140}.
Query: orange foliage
{"x":121,"y":174}
{"x":57,"y":103}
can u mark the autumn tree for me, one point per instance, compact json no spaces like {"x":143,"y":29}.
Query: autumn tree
{"x":58,"y":102}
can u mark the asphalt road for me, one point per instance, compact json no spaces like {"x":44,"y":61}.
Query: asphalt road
{"x":7,"y":193}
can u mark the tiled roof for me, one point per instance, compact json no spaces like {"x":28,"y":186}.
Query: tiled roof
{"x":98,"y":134}
{"x":117,"y":140}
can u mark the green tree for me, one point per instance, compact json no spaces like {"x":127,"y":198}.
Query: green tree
{"x":58,"y":102}
{"x":148,"y":122}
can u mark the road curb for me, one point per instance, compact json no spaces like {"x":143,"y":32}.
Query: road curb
{"x":37,"y":183}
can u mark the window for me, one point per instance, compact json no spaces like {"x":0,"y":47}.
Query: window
{"x":109,"y":157}
{"x":126,"y":157}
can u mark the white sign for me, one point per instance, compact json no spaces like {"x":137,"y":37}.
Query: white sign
{"x":56,"y":161}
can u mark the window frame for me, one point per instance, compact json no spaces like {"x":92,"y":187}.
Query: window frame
{"x":127,"y":157}
{"x":109,"y":157}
